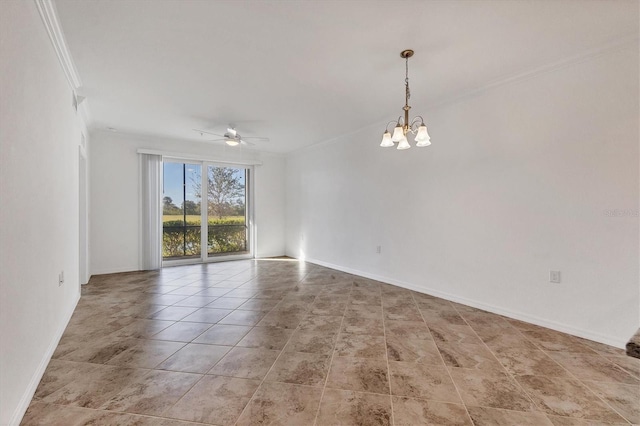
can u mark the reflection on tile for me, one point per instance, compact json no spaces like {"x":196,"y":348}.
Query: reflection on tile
{"x":143,"y":328}
{"x":340,"y":407}
{"x":566,"y":397}
{"x":194,"y":358}
{"x":208,"y":315}
{"x":484,"y":416}
{"x":221,"y":334}
{"x":282,"y":404}
{"x":243,"y":317}
{"x":245,"y":363}
{"x":359,"y":374}
{"x":173,"y":313}
{"x":422,"y":381}
{"x":227,"y":303}
{"x":300,"y":368}
{"x":214,"y":399}
{"x":196,"y":301}
{"x":146,"y":354}
{"x":490,"y":388}
{"x":182,"y":331}
{"x":410,"y":412}
{"x":152,"y":393}
{"x":258,"y":304}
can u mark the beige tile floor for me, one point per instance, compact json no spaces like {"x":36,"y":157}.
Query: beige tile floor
{"x":286,"y":342}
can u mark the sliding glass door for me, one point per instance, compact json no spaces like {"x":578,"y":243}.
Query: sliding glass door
{"x":221,"y":223}
{"x":227,"y":221}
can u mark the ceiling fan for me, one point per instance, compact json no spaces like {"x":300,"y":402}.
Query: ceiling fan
{"x":233,"y":138}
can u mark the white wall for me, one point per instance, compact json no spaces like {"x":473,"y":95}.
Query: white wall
{"x":270,"y":206}
{"x":516,"y":184}
{"x":39,"y":139}
{"x":114,"y":180}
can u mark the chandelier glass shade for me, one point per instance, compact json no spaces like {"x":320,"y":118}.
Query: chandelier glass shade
{"x":403,"y":126}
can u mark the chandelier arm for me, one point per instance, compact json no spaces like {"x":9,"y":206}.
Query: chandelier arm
{"x":416,"y":122}
{"x":387,"y":127}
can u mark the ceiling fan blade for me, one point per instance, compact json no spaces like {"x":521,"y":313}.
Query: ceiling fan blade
{"x":216,"y":140}
{"x":208,"y":133}
{"x":257,"y":138}
{"x":242,"y":141}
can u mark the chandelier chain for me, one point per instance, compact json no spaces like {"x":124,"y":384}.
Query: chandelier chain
{"x":406,"y":81}
{"x":403,"y":126}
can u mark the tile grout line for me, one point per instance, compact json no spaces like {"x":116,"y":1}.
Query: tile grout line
{"x":275,"y":361}
{"x":127,"y":286}
{"x":333,"y":353}
{"x":466,"y":409}
{"x":126,"y":413}
{"x":195,"y":384}
{"x":541,"y":349}
{"x":508,"y":373}
{"x":386,"y":354}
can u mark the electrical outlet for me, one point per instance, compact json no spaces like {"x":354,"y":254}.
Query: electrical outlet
{"x":554,"y":276}
{"x":60,"y":278}
{"x":378,"y":249}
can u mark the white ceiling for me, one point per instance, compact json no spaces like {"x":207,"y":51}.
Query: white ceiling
{"x":302,"y":72}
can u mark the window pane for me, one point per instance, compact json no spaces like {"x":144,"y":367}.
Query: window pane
{"x":181,"y":211}
{"x":226,"y":210}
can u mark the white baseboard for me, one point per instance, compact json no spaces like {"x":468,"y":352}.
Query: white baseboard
{"x":21,"y":409}
{"x":116,"y":270}
{"x":532,"y":319}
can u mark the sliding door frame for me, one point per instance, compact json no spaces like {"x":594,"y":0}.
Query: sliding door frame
{"x":204,"y":217}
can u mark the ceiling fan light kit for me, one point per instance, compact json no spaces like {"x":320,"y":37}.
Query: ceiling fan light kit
{"x":402,"y":125}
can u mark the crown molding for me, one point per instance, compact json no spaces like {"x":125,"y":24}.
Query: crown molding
{"x":614,"y":46}
{"x":49,"y":16}
{"x":631,"y":40}
{"x":47,"y":10}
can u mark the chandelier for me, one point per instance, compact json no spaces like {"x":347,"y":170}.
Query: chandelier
{"x":403,"y":126}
